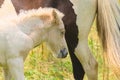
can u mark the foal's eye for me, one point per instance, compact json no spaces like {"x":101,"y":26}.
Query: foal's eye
{"x":63,"y":32}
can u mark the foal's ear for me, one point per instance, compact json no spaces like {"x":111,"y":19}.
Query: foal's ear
{"x":55,"y":18}
{"x":50,"y":17}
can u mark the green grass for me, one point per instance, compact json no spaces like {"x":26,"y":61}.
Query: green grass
{"x":41,"y":65}
{"x":45,"y":67}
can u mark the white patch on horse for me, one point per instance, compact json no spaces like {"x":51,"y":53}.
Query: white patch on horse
{"x":108,"y":30}
{"x":85,"y":11}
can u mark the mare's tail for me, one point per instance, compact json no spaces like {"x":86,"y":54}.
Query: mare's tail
{"x":109,"y":32}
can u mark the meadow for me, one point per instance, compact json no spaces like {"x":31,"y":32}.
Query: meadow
{"x":41,"y":65}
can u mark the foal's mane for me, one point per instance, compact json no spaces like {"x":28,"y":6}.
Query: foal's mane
{"x":41,"y":13}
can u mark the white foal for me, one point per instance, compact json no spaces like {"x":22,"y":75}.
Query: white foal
{"x":18,"y":35}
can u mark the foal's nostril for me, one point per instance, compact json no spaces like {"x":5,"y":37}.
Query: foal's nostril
{"x":64,"y":52}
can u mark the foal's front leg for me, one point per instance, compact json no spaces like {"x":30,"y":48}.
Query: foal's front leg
{"x":16,"y":68}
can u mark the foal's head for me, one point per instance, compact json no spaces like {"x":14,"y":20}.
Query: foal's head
{"x":49,"y":27}
{"x":56,"y":33}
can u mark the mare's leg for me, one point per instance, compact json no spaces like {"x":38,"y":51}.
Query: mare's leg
{"x":86,"y":58}
{"x":72,"y":41}
{"x":85,"y":10}
{"x":16,"y":68}
{"x":7,"y":75}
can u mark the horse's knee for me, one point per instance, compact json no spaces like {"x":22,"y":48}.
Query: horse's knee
{"x":87,"y":60}
{"x":91,"y":68}
{"x":82,"y":51}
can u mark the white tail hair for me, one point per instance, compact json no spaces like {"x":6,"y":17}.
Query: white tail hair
{"x":7,"y":8}
{"x":109,"y":32}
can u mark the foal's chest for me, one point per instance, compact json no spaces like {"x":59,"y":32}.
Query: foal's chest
{"x":13,"y":43}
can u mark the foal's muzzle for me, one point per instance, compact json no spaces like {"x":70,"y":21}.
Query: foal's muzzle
{"x":63,"y":53}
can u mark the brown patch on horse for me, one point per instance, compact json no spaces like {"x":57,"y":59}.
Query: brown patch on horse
{"x":1,"y":2}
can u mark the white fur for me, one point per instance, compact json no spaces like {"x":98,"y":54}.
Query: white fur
{"x":86,"y":11}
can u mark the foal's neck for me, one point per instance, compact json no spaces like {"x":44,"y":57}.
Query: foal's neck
{"x":29,"y":25}
{"x":34,"y":29}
